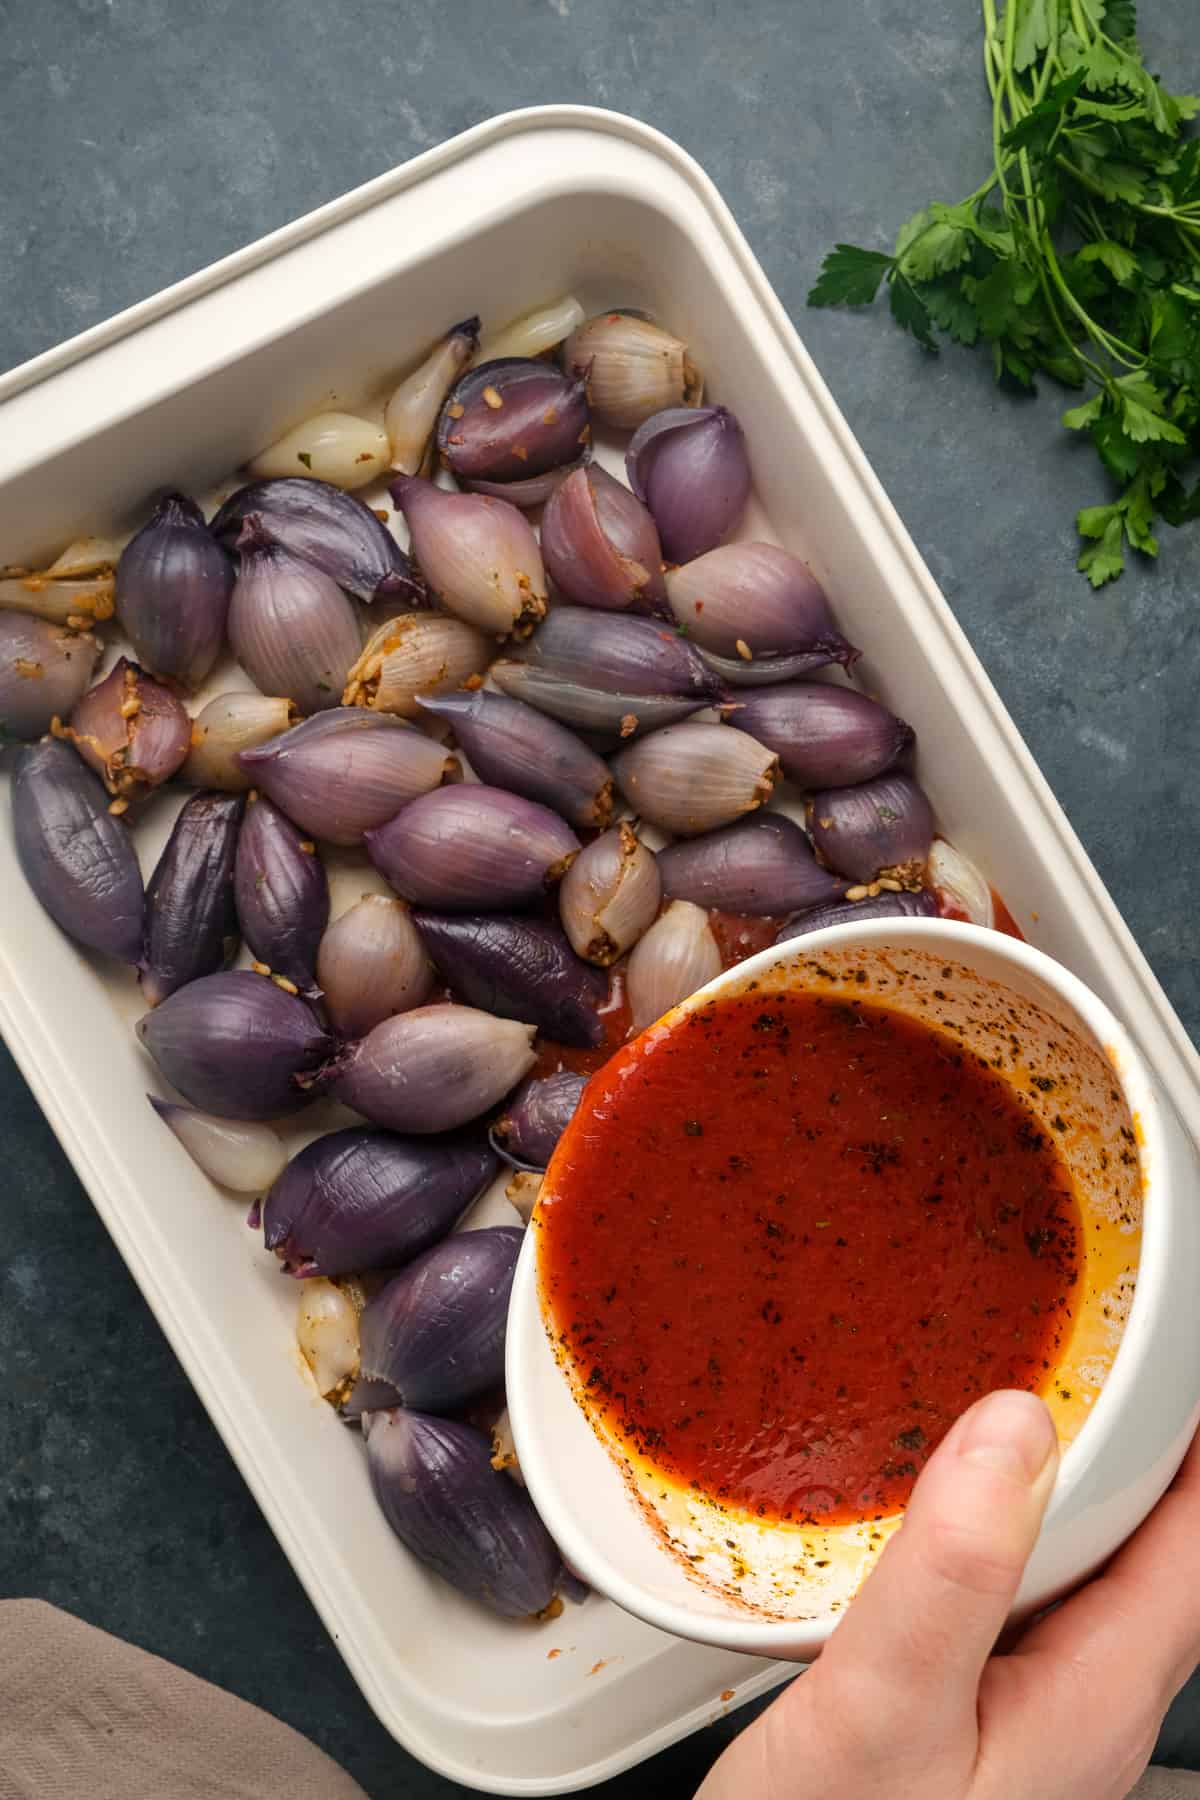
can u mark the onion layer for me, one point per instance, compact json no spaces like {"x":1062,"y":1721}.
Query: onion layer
{"x":330,"y":529}
{"x":290,"y":625}
{"x":75,"y":855}
{"x":282,"y":896}
{"x":432,"y":1069}
{"x":610,"y":895}
{"x":236,"y":1045}
{"x":436,"y":1333}
{"x":536,"y":1117}
{"x":690,"y":467}
{"x":241,"y":1156}
{"x":371,"y":965}
{"x":511,"y":745}
{"x":678,"y":955}
{"x":479,"y":555}
{"x":692,"y":777}
{"x":191,"y":918}
{"x":172,"y":592}
{"x":824,"y":736}
{"x":361,"y":1199}
{"x":760,"y":865}
{"x":44,"y":671}
{"x":518,"y":969}
{"x":472,"y":848}
{"x":434,"y":1481}
{"x":600,"y":544}
{"x":880,"y":831}
{"x":131,"y":730}
{"x":345,"y":771}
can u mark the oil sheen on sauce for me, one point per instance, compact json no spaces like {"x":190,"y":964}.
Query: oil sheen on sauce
{"x":789,"y":1240}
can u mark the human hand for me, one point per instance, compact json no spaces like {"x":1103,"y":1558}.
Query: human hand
{"x":908,"y":1701}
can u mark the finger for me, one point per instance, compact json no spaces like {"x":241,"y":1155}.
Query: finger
{"x":1138,"y":1622}
{"x":924,"y":1624}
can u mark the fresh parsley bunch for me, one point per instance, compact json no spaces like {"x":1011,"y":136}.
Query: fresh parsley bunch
{"x":1078,"y":257}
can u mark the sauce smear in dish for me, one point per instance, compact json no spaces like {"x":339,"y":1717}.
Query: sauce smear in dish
{"x":787,"y":1240}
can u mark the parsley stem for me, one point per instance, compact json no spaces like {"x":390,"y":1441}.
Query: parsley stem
{"x":1113,"y":345}
{"x":1177,"y":215}
{"x":1079,"y":22}
{"x":1047,"y":264}
{"x":1094,"y":221}
{"x":991,"y":54}
{"x":1049,"y":270}
{"x":1047,"y":70}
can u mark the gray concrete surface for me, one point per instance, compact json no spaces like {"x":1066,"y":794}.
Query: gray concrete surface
{"x":139,"y":139}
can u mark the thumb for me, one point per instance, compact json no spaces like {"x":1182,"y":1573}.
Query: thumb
{"x":927,"y":1619}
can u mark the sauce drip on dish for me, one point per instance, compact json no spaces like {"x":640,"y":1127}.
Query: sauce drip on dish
{"x":785,"y":1243}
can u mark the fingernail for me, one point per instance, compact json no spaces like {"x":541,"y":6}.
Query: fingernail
{"x":1011,"y":1432}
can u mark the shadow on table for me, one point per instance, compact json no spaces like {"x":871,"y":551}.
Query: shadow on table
{"x":1179,"y":1740}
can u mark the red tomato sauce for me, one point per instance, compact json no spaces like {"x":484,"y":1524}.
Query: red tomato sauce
{"x":740,"y":935}
{"x":551,"y":1056}
{"x":788,"y":1241}
{"x":1002,"y":919}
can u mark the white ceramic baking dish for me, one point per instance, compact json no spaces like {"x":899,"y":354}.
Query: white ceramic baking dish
{"x":175,"y":392}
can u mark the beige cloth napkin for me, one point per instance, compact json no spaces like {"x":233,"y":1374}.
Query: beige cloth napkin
{"x":86,"y":1717}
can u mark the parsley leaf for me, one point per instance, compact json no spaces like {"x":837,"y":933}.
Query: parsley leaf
{"x":950,"y":309}
{"x":1105,"y":559}
{"x":1121,"y":263}
{"x":1139,"y":510}
{"x":909,"y":310}
{"x":1043,"y":122}
{"x":934,"y":241}
{"x":993,"y":231}
{"x":1116,"y":180}
{"x":1002,"y":296}
{"x":1120,"y":19}
{"x":1117,"y":451}
{"x":1120,"y":110}
{"x":1127,"y":520}
{"x":1177,"y":506}
{"x":1064,"y":367}
{"x":1087,"y":414}
{"x":849,"y":277}
{"x":1102,"y":66}
{"x":1142,"y":412}
{"x":1166,"y":112}
{"x":1033,"y":30}
{"x":1185,"y":186}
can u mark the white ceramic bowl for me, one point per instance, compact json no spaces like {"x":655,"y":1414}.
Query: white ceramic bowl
{"x":1125,"y":1395}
